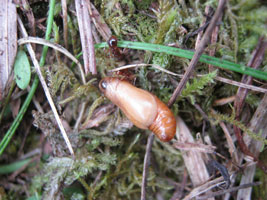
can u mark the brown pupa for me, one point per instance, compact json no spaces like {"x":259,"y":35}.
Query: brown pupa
{"x":144,"y":109}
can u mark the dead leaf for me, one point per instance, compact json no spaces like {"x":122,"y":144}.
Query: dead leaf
{"x":99,"y":23}
{"x":84,"y":22}
{"x":8,"y":41}
{"x":15,"y":106}
{"x":197,"y":147}
{"x":193,"y":160}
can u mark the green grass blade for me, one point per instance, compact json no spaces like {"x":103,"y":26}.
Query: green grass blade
{"x":9,"y":168}
{"x":189,"y":54}
{"x":16,"y":122}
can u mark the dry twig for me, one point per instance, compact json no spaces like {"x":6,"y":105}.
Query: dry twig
{"x":257,"y":124}
{"x":84,"y":21}
{"x":65,"y":22}
{"x":200,"y":49}
{"x":46,"y":90}
{"x":146,"y":165}
{"x":8,"y":42}
{"x":255,"y":61}
{"x":55,"y":46}
{"x":221,"y":192}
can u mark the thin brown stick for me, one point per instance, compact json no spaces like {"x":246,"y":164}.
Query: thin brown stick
{"x":214,"y":37}
{"x":93,"y":186}
{"x":55,"y":46}
{"x":206,"y":20}
{"x":242,"y":85}
{"x":257,"y":124}
{"x":65,"y":23}
{"x":146,"y":165}
{"x":200,"y":49}
{"x":255,"y":61}
{"x":224,"y":80}
{"x":205,"y":117}
{"x":26,"y":8}
{"x":204,"y":188}
{"x":79,"y":119}
{"x":180,"y":189}
{"x":99,"y":23}
{"x":84,"y":22}
{"x":230,"y":142}
{"x":45,"y":87}
{"x":221,"y":192}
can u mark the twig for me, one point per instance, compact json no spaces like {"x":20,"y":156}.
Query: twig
{"x":92,"y":188}
{"x":79,"y":119}
{"x":242,"y":85}
{"x":254,"y":62}
{"x":204,"y":188}
{"x":199,"y":51}
{"x":214,"y":37}
{"x":218,"y":78}
{"x":143,"y":65}
{"x":204,"y":24}
{"x":257,"y":124}
{"x":55,"y":46}
{"x":205,"y":117}
{"x":26,"y":8}
{"x":228,"y":161}
{"x":46,"y":90}
{"x":230,"y":142}
{"x":97,"y":178}
{"x":65,"y":22}
{"x":180,"y":189}
{"x":9,"y":134}
{"x":84,"y":22}
{"x":146,"y":165}
{"x":99,"y":23}
{"x":221,"y":192}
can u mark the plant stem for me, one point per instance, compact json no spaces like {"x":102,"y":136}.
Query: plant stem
{"x":26,"y":103}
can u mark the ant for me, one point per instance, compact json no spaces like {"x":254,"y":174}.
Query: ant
{"x":118,"y":54}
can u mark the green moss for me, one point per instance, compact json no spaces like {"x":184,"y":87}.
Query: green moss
{"x":197,"y":86}
{"x":166,"y":14}
{"x":143,"y":5}
{"x":109,"y":156}
{"x":162,"y":59}
{"x":231,"y":120}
